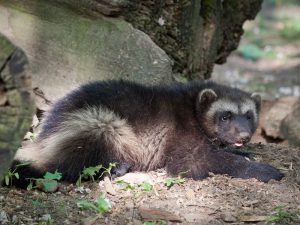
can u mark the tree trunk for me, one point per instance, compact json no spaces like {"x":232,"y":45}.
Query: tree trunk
{"x":16,"y":104}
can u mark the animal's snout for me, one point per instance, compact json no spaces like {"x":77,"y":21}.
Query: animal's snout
{"x":244,"y":137}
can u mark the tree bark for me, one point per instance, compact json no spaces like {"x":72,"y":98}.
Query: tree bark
{"x":195,"y":33}
{"x":16,"y":103}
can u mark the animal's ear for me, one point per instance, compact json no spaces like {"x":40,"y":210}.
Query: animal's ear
{"x":207,"y":96}
{"x":257,"y":99}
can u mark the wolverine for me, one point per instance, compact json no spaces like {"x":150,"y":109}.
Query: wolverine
{"x":181,"y":127}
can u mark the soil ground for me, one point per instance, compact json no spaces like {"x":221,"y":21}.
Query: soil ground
{"x":216,"y":200}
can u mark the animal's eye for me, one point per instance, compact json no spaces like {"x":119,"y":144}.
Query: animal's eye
{"x":226,"y":116}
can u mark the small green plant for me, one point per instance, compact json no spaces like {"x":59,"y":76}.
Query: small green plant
{"x":88,"y":173}
{"x":125,"y":185}
{"x":92,"y":171}
{"x":11,"y":174}
{"x":48,"y":183}
{"x":280,"y":214}
{"x":108,"y":170}
{"x":170,"y":181}
{"x":146,"y":187}
{"x":101,"y":205}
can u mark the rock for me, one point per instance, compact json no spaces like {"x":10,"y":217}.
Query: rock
{"x":66,"y":49}
{"x":82,"y":190}
{"x":45,"y":185}
{"x":136,"y":178}
{"x":16,"y":100}
{"x":108,"y":186}
{"x":228,"y":217}
{"x":272,"y":120}
{"x":290,"y":127}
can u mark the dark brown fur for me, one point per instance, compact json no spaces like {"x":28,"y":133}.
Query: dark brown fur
{"x":145,"y":128}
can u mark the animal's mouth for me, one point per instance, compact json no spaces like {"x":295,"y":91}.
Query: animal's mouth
{"x":238,"y":144}
{"x":233,"y":145}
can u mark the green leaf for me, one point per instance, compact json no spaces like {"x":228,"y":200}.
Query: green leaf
{"x":30,"y":186}
{"x":87,"y":205}
{"x":126,"y":186}
{"x":180,"y":181}
{"x":147,"y":186}
{"x":78,"y":182}
{"x":102,"y":204}
{"x":17,"y":176}
{"x":169,"y":182}
{"x":111,"y":165}
{"x":91,"y":171}
{"x":53,"y":176}
{"x":6,"y":180}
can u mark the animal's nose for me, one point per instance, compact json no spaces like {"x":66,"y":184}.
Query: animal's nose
{"x":244,"y":136}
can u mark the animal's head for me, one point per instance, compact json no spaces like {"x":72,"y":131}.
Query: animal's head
{"x":228,"y":116}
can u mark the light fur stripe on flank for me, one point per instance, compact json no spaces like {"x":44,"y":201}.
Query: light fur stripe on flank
{"x":98,"y":122}
{"x":102,"y":122}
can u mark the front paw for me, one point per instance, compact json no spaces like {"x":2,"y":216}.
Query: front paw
{"x":262,"y":172}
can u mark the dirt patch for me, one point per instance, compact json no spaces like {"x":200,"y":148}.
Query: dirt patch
{"x":215,"y":200}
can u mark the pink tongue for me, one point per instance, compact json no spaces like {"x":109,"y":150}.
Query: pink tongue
{"x":238,"y":144}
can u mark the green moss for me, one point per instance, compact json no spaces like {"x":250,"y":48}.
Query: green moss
{"x":6,"y":50}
